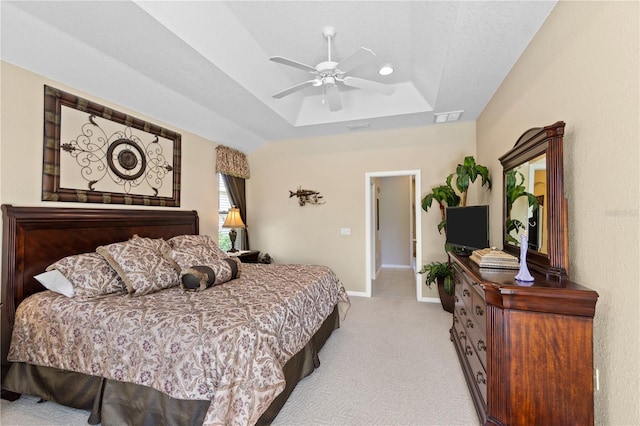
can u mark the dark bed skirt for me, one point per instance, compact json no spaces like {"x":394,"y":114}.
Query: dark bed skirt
{"x":118,"y":403}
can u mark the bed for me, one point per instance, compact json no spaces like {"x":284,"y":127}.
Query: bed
{"x":229,"y":354}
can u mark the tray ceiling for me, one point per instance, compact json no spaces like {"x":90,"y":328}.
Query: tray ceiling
{"x":203,"y":66}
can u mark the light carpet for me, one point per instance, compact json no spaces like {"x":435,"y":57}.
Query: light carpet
{"x":391,"y":363}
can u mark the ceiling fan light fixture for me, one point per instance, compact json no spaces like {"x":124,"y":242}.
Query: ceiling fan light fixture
{"x":329,"y":81}
{"x":386,"y":69}
{"x":328,"y":74}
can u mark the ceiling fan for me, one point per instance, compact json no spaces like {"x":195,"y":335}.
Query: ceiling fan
{"x":329,"y":73}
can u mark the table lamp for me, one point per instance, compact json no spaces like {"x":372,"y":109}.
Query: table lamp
{"x":233,"y":221}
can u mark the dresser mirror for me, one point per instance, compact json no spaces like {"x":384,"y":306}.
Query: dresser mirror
{"x":533,"y":200}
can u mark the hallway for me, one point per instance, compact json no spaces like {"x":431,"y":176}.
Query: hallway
{"x":395,"y":283}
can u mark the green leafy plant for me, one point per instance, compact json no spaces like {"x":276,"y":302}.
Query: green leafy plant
{"x":445,"y":196}
{"x":223,"y":241}
{"x":448,"y":196}
{"x":435,"y":270}
{"x":467,"y":173}
{"x":515,"y":189}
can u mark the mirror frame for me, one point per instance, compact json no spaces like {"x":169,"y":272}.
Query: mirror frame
{"x":534,"y":142}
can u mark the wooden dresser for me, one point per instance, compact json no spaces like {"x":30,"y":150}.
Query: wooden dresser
{"x":526,"y":351}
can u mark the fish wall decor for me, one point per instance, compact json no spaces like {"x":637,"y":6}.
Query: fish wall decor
{"x":306,"y":196}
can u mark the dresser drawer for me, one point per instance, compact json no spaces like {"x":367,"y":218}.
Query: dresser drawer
{"x":459,"y":331}
{"x":478,"y":372}
{"x":462,"y":314}
{"x":466,"y":295}
{"x":478,"y":308}
{"x":477,"y":338}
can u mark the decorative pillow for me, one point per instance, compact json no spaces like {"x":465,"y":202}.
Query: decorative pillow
{"x":90,"y":275}
{"x":202,"y":277}
{"x":226,"y":270}
{"x":190,"y":250}
{"x":197,"y":278}
{"x":54,"y":280}
{"x":141,"y":264}
{"x":238,"y":264}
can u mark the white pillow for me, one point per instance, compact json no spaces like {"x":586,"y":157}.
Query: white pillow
{"x":54,"y":280}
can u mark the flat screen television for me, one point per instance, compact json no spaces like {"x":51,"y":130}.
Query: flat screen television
{"x":468,"y":228}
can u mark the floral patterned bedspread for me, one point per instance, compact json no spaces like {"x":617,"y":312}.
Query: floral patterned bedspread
{"x":226,"y":344}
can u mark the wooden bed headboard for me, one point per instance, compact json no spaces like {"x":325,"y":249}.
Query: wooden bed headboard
{"x":35,"y":237}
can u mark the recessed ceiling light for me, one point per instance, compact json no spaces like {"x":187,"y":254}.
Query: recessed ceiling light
{"x":386,"y":69}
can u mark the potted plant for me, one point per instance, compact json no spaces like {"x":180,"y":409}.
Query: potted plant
{"x":446,"y":196}
{"x":442,"y":274}
{"x":467,"y":173}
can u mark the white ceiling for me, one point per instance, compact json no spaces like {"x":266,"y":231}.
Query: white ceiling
{"x":203,"y":65}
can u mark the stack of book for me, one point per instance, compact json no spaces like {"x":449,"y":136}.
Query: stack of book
{"x":494,"y":259}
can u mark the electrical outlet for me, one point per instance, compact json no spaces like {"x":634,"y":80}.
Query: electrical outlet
{"x":345,"y":231}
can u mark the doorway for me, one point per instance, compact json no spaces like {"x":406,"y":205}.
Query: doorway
{"x":372,"y":223}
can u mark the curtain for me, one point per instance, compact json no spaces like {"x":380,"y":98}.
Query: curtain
{"x":235,"y":186}
{"x":234,"y":168}
{"x":231,"y":162}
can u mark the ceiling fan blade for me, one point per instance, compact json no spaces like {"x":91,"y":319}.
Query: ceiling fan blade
{"x":333,"y":97}
{"x":295,"y":88}
{"x":361,"y":83}
{"x":359,"y":57}
{"x":292,"y":63}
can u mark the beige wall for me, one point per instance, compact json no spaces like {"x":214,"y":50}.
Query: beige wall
{"x":582,"y":68}
{"x":336,"y":166}
{"x":21,"y":150}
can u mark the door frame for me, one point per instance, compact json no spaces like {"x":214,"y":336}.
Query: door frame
{"x":369,"y":224}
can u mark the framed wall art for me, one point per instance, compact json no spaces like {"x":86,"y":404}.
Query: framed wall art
{"x":93,"y":154}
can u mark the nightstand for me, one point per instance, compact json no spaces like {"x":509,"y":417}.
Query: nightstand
{"x":247,"y":256}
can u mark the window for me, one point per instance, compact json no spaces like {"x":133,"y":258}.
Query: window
{"x":224,"y":204}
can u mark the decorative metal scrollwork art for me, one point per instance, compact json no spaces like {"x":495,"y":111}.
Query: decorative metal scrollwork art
{"x":125,"y":158}
{"x":97,"y":155}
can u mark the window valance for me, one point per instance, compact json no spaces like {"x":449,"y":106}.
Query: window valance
{"x":231,"y":162}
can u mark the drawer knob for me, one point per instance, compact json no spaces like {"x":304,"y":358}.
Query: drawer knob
{"x":481,"y":346}
{"x":479,"y":310}
{"x":469,"y":323}
{"x":467,"y":350}
{"x":465,"y":292}
{"x":480,"y":377}
{"x":462,"y":335}
{"x":455,"y":319}
{"x":463,"y":311}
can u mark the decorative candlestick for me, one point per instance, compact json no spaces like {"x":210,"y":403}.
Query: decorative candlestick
{"x":523,"y":274}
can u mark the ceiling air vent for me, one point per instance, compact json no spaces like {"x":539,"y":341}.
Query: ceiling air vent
{"x":444,"y":117}
{"x":358,"y":126}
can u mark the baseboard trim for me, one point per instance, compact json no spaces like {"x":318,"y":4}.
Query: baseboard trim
{"x":396,"y":266}
{"x":359,"y":293}
{"x":429,"y":299}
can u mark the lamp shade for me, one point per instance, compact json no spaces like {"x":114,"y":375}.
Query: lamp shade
{"x":233,"y":219}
